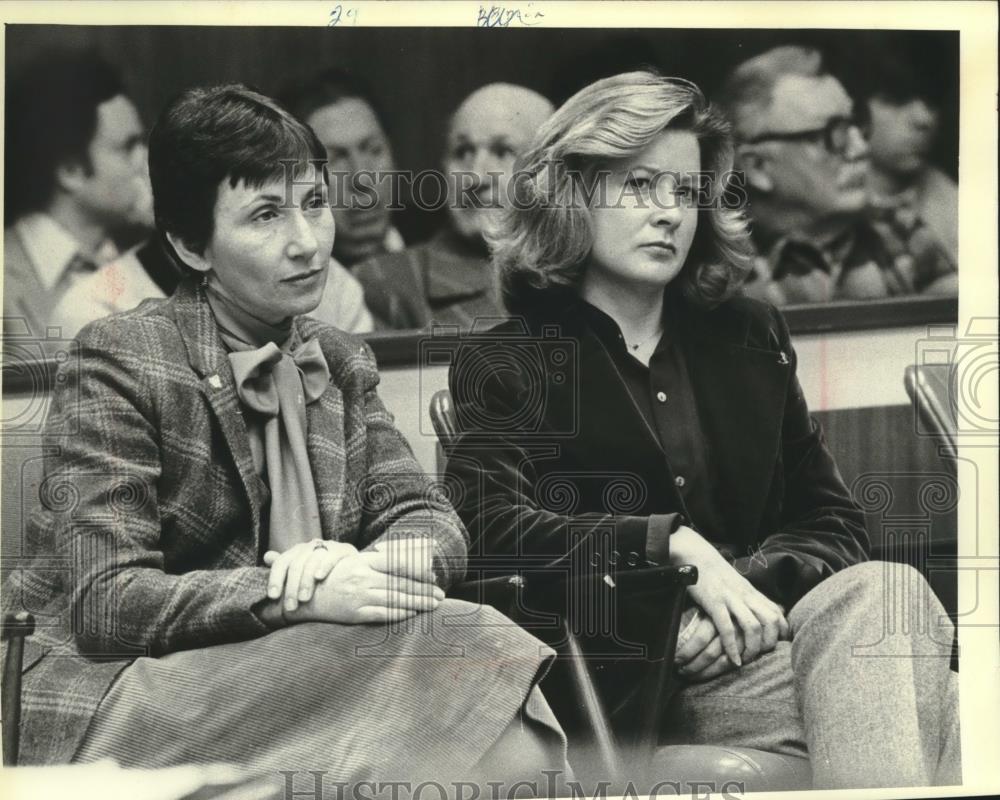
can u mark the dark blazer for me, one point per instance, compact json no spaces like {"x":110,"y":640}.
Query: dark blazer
{"x":444,"y":281}
{"x":555,"y":454}
{"x":149,"y":535}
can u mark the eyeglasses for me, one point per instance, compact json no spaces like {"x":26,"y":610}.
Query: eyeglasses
{"x":834,"y":135}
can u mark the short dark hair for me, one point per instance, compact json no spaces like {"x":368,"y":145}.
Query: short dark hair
{"x":51,"y":114}
{"x":327,"y":88}
{"x":207,"y":135}
{"x":895,"y":77}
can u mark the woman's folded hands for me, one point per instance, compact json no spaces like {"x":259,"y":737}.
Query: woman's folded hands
{"x":325,"y":581}
{"x":732,"y":622}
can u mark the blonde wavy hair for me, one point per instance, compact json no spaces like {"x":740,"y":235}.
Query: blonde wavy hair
{"x":542,"y":240}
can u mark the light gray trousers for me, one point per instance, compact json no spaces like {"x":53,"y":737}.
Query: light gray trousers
{"x":864,"y":688}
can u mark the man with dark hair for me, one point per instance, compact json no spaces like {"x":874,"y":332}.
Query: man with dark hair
{"x":74,"y":174}
{"x":909,"y":194}
{"x":340,"y":107}
{"x":122,"y":282}
{"x":805,"y":160}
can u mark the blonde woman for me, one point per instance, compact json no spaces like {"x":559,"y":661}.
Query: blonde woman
{"x":638,"y":409}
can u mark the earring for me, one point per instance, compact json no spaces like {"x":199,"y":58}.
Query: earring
{"x":204,"y":280}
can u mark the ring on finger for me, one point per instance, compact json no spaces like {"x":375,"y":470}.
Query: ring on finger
{"x":319,"y":544}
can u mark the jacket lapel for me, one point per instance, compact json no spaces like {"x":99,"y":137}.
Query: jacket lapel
{"x":207,"y":357}
{"x":740,"y":391}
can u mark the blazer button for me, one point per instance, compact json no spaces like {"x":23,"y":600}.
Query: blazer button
{"x":679,"y":481}
{"x":661,"y":396}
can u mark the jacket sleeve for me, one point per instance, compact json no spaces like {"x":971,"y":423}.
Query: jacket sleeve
{"x":495,"y":475}
{"x":100,"y":505}
{"x":398,"y":499}
{"x":821,"y":530}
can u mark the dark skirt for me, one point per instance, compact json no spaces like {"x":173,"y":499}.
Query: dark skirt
{"x":419,"y":700}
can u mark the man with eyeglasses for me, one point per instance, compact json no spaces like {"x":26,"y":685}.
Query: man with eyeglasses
{"x":805,"y":159}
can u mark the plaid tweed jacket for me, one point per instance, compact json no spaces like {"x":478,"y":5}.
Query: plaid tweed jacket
{"x":148,"y":536}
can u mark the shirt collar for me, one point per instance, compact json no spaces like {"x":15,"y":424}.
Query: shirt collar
{"x":51,"y":248}
{"x":609,"y":332}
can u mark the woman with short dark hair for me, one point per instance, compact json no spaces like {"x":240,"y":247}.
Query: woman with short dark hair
{"x":638,"y":409}
{"x":248,"y":540}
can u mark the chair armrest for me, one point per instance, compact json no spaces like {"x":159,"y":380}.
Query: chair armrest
{"x":16,"y":628}
{"x":931,"y":388}
{"x":626,"y":626}
{"x":19,"y":625}
{"x":534,"y":595}
{"x":502,"y":592}
{"x":647,"y":605}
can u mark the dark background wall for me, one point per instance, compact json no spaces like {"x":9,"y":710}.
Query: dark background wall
{"x":421,"y":74}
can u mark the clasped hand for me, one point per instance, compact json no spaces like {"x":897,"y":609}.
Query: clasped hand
{"x":732,"y":622}
{"x":333,"y":582}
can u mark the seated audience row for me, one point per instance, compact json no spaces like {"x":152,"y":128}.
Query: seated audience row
{"x":76,"y":187}
{"x":843,"y":201}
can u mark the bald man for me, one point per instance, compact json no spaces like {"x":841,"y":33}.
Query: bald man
{"x":449,"y":280}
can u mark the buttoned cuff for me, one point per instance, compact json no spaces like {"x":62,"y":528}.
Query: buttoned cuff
{"x":658,"y":531}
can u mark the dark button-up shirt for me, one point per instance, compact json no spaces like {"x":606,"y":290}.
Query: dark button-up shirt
{"x":663,"y":394}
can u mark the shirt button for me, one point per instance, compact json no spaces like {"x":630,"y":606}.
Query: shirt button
{"x":661,"y":396}
{"x":679,"y":481}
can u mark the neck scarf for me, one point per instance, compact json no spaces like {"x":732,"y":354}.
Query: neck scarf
{"x":277,"y":382}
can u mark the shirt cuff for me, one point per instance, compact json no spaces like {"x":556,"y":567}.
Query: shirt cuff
{"x":658,"y":531}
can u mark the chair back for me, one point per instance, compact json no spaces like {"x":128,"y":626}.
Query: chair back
{"x":932,"y":390}
{"x":443,"y":419}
